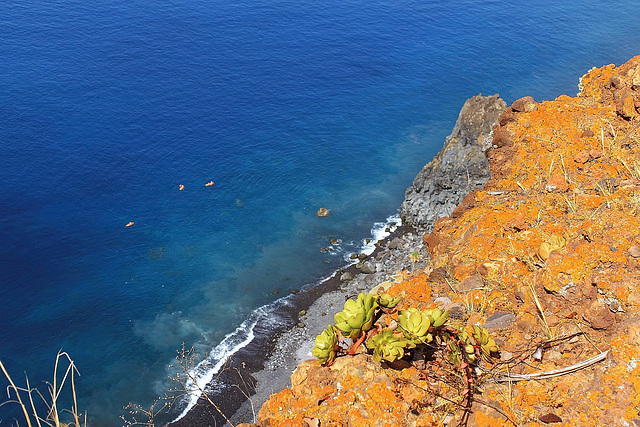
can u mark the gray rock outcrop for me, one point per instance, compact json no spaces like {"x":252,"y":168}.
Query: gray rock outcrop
{"x":459,"y":168}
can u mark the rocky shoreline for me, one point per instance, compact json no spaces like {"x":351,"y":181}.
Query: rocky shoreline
{"x":545,"y":256}
{"x":460,"y":167}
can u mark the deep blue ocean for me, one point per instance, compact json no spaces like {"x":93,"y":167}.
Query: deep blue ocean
{"x":107,"y":107}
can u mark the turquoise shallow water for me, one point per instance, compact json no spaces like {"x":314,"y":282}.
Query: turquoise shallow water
{"x":107,"y":107}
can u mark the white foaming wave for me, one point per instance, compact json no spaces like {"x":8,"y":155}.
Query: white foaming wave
{"x":232,"y":343}
{"x":379,"y":232}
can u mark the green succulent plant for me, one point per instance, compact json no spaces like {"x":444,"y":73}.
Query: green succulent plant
{"x":468,"y":346}
{"x":415,"y":324}
{"x":357,"y":315}
{"x":476,"y":343}
{"x":487,"y":344}
{"x":389,"y":346}
{"x":465,"y":345}
{"x":326,"y":343}
{"x":438,"y":318}
{"x":387,"y":301}
{"x":454,"y":356}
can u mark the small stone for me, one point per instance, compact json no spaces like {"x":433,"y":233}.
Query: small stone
{"x":474,"y":281}
{"x":582,"y":157}
{"x":345,"y":277}
{"x":456,"y":310}
{"x":443,"y":301}
{"x":544,"y":251}
{"x":393,"y":244}
{"x":614,"y":306}
{"x":553,"y":355}
{"x":334,"y":241}
{"x":634,"y":251}
{"x":302,"y":312}
{"x":367,"y":268}
{"x":353,"y":256}
{"x":505,"y":356}
{"x":323,"y":212}
{"x":595,"y":154}
{"x":602,"y":318}
{"x":550,"y":418}
{"x":557,"y":180}
{"x":301,"y":325}
{"x":482,"y":269}
{"x":499,"y":320}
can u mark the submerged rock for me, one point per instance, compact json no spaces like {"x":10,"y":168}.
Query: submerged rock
{"x":323,"y":212}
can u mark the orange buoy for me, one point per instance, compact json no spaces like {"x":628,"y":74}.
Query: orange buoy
{"x":181,"y":187}
{"x":209,"y":184}
{"x":130,"y":224}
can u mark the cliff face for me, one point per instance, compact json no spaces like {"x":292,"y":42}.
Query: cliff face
{"x":459,"y":168}
{"x":546,"y":256}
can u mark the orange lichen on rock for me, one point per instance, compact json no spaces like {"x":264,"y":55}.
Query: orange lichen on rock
{"x":414,"y":288}
{"x":553,"y":240}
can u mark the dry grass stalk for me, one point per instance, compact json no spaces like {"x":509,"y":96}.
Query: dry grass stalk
{"x":149,"y":414}
{"x":572,"y":205}
{"x":55,"y":388}
{"x":634,"y":169}
{"x":188,"y":382}
{"x":606,"y":190}
{"x":540,"y":311}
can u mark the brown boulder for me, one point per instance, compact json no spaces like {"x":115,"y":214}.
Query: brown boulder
{"x":525,"y":104}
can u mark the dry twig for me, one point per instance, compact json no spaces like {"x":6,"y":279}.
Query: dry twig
{"x":553,"y":373}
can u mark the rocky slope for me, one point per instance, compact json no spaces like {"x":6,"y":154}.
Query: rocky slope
{"x":546,"y":255}
{"x":459,"y":168}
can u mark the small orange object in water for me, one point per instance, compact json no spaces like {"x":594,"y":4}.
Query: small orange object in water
{"x":130,"y":224}
{"x":209,"y":184}
{"x":181,"y":187}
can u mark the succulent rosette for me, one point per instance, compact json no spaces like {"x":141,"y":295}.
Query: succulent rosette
{"x":487,"y":344}
{"x":387,"y":301}
{"x":438,"y":317}
{"x":415,"y":324}
{"x":326,"y":343}
{"x":357,"y":315}
{"x":388,"y":345}
{"x":468,"y":344}
{"x":476,"y":343}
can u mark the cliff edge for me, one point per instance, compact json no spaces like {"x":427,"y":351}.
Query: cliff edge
{"x":459,"y":168}
{"x":546,"y":256}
